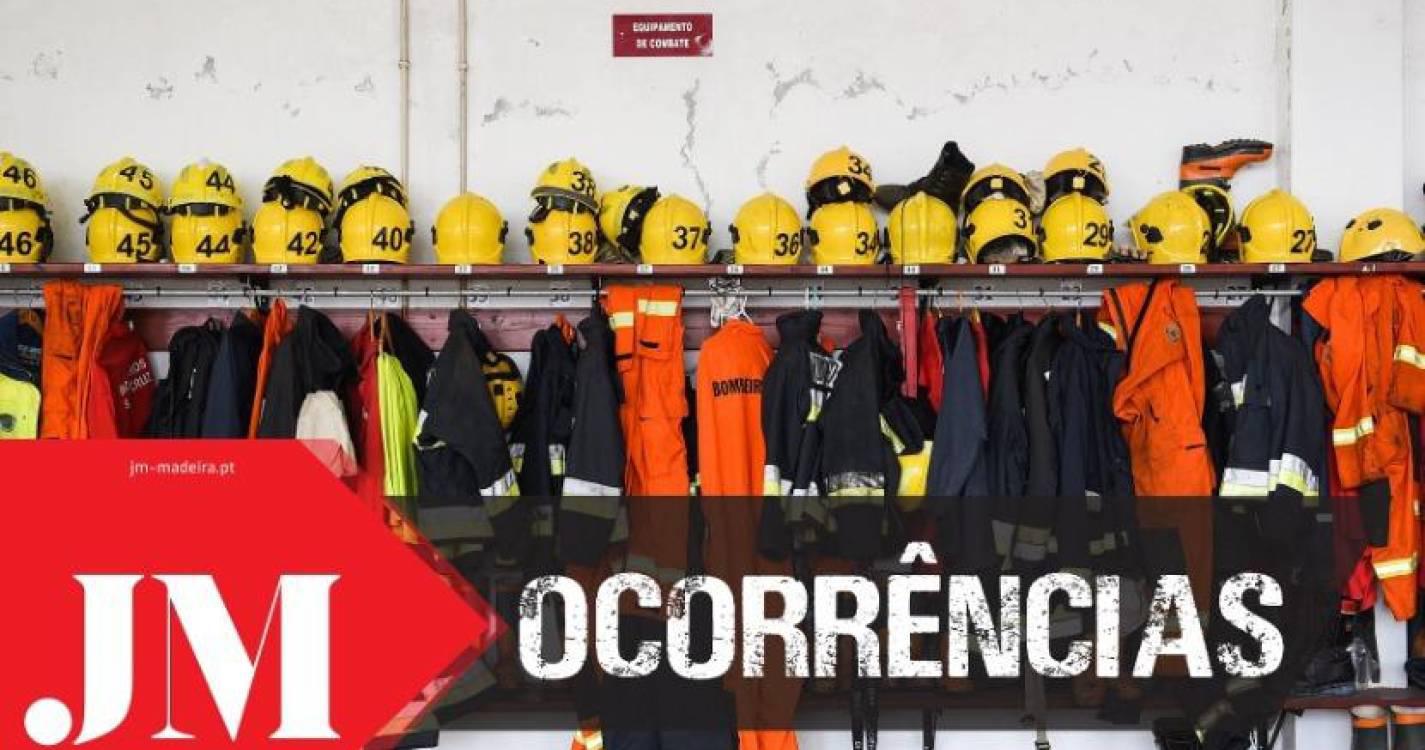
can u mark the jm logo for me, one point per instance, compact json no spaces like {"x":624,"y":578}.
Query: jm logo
{"x":304,"y":603}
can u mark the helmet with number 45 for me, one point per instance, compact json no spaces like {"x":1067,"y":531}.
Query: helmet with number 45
{"x":207,"y":224}
{"x":123,"y":211}
{"x":675,"y":231}
{"x":25,"y":233}
{"x":766,"y":231}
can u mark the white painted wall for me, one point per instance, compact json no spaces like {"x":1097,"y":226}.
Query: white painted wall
{"x":252,"y":82}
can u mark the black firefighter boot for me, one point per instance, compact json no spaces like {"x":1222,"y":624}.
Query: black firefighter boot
{"x":1369,"y":730}
{"x":1407,"y":728}
{"x":945,"y":181}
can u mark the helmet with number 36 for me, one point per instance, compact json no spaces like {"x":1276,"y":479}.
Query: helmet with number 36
{"x":123,"y":211}
{"x":25,"y":233}
{"x":766,"y":231}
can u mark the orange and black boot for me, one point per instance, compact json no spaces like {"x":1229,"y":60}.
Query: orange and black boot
{"x":1407,"y":728}
{"x":1369,"y":728}
{"x":946,"y":180}
{"x":1203,"y":162}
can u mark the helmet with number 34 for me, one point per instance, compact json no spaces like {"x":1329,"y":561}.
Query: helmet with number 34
{"x":25,"y":233}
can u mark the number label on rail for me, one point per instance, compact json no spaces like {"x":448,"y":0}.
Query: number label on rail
{"x":188,"y":268}
{"x":1094,"y":269}
{"x":371,"y":269}
{"x":93,"y":268}
{"x":644,"y":269}
{"x":555,"y":269}
{"x":735,"y":269}
{"x":1276,"y":268}
{"x":998,"y":269}
{"x":4,"y":267}
{"x":465,"y":270}
{"x":825,"y":270}
{"x":910,"y":270}
{"x":278,"y":269}
{"x":1187,"y":269}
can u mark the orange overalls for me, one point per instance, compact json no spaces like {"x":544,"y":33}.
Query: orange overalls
{"x":277,"y":327}
{"x":1373,"y":372}
{"x":647,"y":322}
{"x":1159,"y":403}
{"x":731,"y":455}
{"x":77,"y":323}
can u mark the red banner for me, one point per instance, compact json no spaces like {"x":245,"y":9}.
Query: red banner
{"x":663,"y":35}
{"x":233,"y":592}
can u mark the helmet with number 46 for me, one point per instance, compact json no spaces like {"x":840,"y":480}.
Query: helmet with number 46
{"x":25,"y":232}
{"x":123,"y":211}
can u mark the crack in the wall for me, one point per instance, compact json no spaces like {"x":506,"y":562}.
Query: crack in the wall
{"x":46,"y":65}
{"x":365,"y":85}
{"x":863,"y":85}
{"x":766,"y":159}
{"x":160,"y":89}
{"x":209,"y":71}
{"x":690,"y":141}
{"x":781,"y":87}
{"x":503,"y":108}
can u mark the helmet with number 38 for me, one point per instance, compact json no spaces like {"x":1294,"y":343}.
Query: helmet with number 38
{"x":25,"y":232}
{"x":559,"y":238}
{"x":207,"y":224}
{"x":123,"y":211}
{"x":766,"y":231}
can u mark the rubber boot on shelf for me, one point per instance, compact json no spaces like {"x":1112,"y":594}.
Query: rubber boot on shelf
{"x":1369,"y":728}
{"x":1407,"y":728}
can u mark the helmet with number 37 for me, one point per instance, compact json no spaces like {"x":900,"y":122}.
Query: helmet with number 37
{"x":675,"y":231}
{"x":123,"y":214}
{"x":25,"y":233}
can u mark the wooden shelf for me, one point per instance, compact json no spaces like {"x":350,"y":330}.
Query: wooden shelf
{"x":1375,"y":697}
{"x":608,"y":270}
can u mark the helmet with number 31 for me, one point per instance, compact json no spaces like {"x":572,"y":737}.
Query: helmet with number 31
{"x":123,"y":214}
{"x":25,"y":233}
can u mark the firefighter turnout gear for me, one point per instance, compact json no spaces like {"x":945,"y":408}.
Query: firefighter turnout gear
{"x":921,"y":229}
{"x":844,"y":234}
{"x":1277,"y":228}
{"x":766,"y":231}
{"x":1075,"y":229}
{"x":837,"y":176}
{"x":675,"y":231}
{"x":502,"y":376}
{"x":1001,"y":230}
{"x":1374,"y":380}
{"x":79,"y":322}
{"x":994,"y":181}
{"x":621,"y":215}
{"x":1075,"y":171}
{"x":207,"y":224}
{"x":123,"y":214}
{"x":1381,"y":234}
{"x":25,"y":232}
{"x":468,"y":230}
{"x":1172,"y":229}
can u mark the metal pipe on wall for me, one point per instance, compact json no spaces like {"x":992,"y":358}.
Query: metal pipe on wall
{"x":404,"y":63}
{"x":462,"y":68}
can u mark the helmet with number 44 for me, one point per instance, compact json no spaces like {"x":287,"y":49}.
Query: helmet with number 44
{"x":207,"y":224}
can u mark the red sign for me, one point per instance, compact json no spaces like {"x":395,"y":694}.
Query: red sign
{"x":217,"y":593}
{"x":663,"y":35}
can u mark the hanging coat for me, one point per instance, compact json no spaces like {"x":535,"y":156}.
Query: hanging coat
{"x":958,"y":489}
{"x":315,"y":357}
{"x":540,"y":434}
{"x":228,"y":410}
{"x":181,"y":397}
